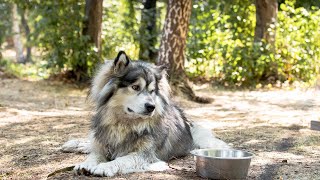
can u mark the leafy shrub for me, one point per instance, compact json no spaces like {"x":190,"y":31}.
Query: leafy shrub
{"x":220,"y":44}
{"x":58,"y":33}
{"x":5,"y":26}
{"x":298,"y":42}
{"x":118,"y":31}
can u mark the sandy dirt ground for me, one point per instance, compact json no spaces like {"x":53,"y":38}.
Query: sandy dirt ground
{"x":36,"y":118}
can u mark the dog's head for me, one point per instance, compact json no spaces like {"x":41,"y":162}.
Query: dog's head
{"x":133,"y":88}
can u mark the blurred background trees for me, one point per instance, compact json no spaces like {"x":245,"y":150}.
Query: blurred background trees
{"x":148,"y":31}
{"x":229,"y":42}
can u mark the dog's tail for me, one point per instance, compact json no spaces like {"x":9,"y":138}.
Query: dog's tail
{"x":77,"y":146}
{"x":203,"y":138}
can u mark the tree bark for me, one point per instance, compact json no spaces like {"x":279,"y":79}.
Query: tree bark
{"x":147,"y":30}
{"x":266,"y":18}
{"x":173,"y":44}
{"x":93,"y":20}
{"x":26,"y":27}
{"x":16,"y":35}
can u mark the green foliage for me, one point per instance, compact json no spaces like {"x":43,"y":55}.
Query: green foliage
{"x":5,"y":23}
{"x":58,"y":32}
{"x":121,"y":23}
{"x":220,"y":44}
{"x":30,"y":71}
{"x":298,"y":42}
{"x":120,"y":28}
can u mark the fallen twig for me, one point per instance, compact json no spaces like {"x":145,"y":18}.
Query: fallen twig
{"x":66,"y":169}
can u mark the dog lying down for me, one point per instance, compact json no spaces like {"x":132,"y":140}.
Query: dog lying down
{"x":136,"y":126}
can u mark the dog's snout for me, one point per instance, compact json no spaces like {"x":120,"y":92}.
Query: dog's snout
{"x":149,"y":107}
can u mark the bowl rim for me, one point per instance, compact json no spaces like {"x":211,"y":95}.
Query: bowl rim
{"x":193,"y":152}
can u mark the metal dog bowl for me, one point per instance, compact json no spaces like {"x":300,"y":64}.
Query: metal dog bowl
{"x":222,"y":163}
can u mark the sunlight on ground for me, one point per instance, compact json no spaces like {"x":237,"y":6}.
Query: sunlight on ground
{"x":36,"y":118}
{"x":256,"y":108}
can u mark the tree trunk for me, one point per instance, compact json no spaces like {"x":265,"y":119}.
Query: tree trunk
{"x":147,"y":30}
{"x":92,"y":29}
{"x":173,"y":44}
{"x":16,"y":35}
{"x":266,"y":18}
{"x":93,"y":20}
{"x":25,"y":25}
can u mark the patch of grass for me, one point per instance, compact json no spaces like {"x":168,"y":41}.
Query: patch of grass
{"x":32,"y":71}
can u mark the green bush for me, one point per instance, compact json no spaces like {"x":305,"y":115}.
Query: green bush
{"x":220,"y":44}
{"x":118,"y":31}
{"x":5,"y":22}
{"x":58,"y":33}
{"x":298,"y":42}
{"x":220,"y":40}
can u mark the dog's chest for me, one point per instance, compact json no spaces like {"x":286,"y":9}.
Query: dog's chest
{"x":121,"y":139}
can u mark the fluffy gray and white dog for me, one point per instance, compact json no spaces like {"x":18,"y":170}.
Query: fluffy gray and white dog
{"x":136,"y":126}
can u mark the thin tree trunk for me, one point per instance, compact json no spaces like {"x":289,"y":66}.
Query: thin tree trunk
{"x":25,"y":25}
{"x":148,"y":28}
{"x":174,"y":36}
{"x":266,"y":18}
{"x":92,"y":23}
{"x":173,"y":44}
{"x":92,"y":29}
{"x":16,"y":35}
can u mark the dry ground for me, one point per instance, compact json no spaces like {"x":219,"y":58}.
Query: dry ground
{"x":36,"y":118}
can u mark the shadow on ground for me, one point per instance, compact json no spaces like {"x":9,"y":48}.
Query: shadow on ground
{"x":36,"y":118}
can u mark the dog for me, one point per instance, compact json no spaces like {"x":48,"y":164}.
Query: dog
{"x":136,"y":126}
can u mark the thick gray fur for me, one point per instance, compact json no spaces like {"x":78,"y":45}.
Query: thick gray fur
{"x":125,"y":135}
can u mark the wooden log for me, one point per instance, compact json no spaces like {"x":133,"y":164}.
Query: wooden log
{"x":315,"y":125}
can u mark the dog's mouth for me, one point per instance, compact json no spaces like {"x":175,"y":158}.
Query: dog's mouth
{"x":130,"y":110}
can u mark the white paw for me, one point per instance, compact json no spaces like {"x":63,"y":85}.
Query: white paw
{"x":158,"y":166}
{"x":105,"y":169}
{"x":84,"y":147}
{"x":77,"y":145}
{"x":87,"y":165}
{"x":70,"y":146}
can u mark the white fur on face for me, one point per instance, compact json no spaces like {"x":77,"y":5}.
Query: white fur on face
{"x":152,"y":86}
{"x":133,"y":101}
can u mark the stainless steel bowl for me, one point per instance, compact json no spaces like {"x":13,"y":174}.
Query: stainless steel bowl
{"x":222,"y":163}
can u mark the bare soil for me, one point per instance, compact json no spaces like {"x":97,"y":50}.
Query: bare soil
{"x":37,"y":117}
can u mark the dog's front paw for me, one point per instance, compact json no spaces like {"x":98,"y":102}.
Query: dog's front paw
{"x":85,"y":166}
{"x":105,"y":169}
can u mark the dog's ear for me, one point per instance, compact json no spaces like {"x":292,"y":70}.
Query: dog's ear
{"x":162,"y":71}
{"x":163,"y":68}
{"x":121,"y":62}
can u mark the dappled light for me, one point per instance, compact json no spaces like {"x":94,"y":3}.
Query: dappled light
{"x":274,"y":125}
{"x":248,"y":70}
{"x":249,"y":108}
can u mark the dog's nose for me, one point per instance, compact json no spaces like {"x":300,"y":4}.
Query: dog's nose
{"x":149,"y":107}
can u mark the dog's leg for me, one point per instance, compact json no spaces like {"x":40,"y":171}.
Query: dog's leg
{"x":77,"y":146}
{"x":94,"y":158}
{"x":127,"y":164}
{"x":203,"y":138}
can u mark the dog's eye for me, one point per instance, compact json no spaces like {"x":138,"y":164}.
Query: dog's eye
{"x":151,"y":91}
{"x":136,"y":87}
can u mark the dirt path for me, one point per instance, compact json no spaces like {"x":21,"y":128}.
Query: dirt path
{"x":36,"y":118}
